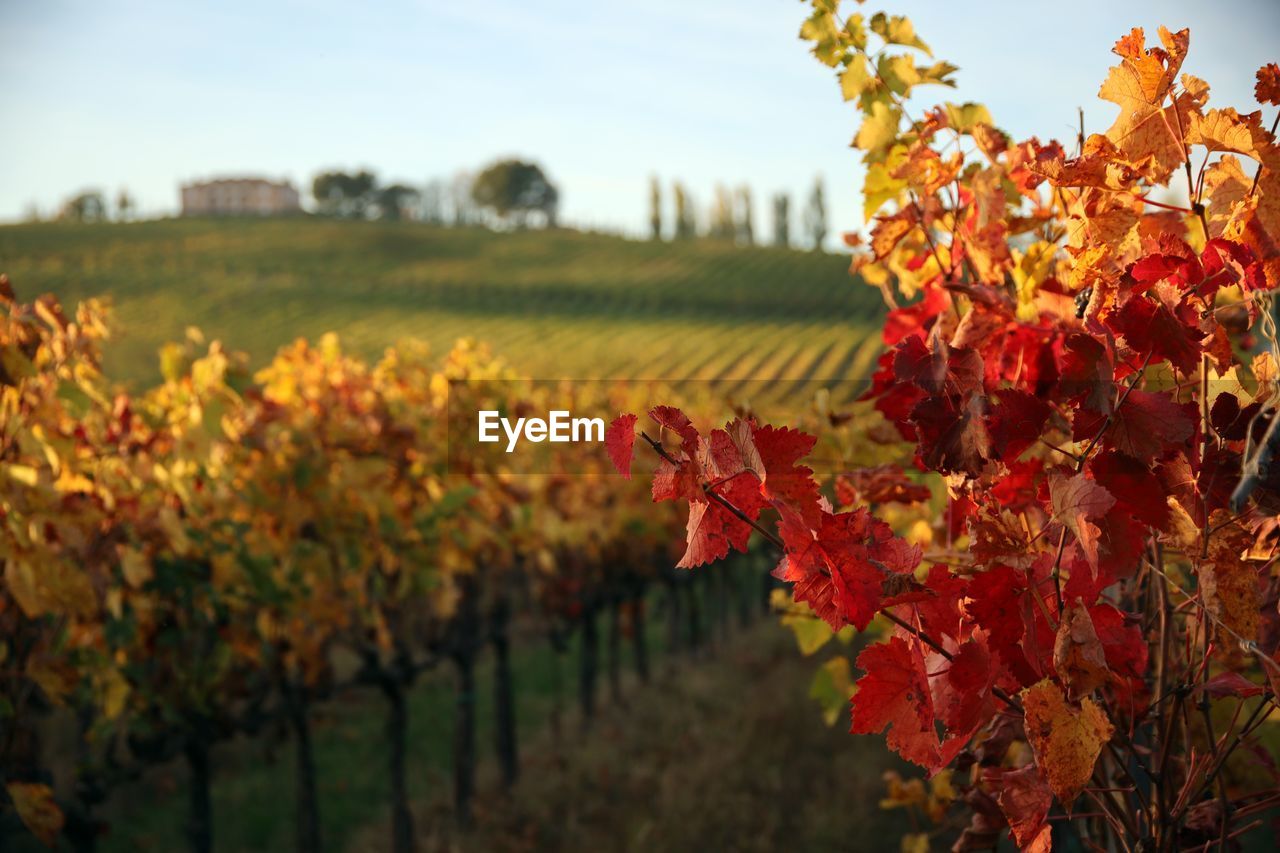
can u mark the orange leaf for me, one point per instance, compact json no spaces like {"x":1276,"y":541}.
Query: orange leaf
{"x":1066,"y":740}
{"x":1077,"y":652}
{"x":37,"y":809}
{"x":1146,"y":133}
{"x":1267,"y":91}
{"x":1229,"y":585}
{"x":1076,"y":500}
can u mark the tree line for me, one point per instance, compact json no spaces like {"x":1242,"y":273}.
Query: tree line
{"x":731,"y":216}
{"x":509,"y":192}
{"x":519,"y":194}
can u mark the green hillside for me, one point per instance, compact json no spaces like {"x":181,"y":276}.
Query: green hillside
{"x":562,"y":304}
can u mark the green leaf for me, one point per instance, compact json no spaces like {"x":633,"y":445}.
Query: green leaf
{"x":831,"y":687}
{"x":811,"y":633}
{"x":174,"y":363}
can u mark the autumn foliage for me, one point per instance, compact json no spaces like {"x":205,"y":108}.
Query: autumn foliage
{"x":193,"y":562}
{"x":1080,"y":353}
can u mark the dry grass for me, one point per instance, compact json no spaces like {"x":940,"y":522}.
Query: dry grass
{"x":721,"y":754}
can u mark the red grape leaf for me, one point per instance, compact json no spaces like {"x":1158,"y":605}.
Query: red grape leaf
{"x":961,"y":687}
{"x":784,"y":483}
{"x":619,"y":442}
{"x":895,"y":694}
{"x":1151,"y":329}
{"x":669,"y":417}
{"x":1136,"y":488}
{"x":1123,"y":643}
{"x":936,"y":367}
{"x":995,"y":602}
{"x":1015,"y":422}
{"x":1145,"y":427}
{"x":1088,"y":375}
{"x":676,"y":482}
{"x":841,"y":569}
{"x":878,"y":485}
{"x":953,"y":438}
{"x":710,"y":533}
{"x":1025,"y":800}
{"x":1230,"y":683}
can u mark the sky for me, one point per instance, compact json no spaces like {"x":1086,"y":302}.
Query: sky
{"x":146,"y":94}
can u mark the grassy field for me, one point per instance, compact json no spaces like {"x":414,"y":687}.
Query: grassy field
{"x":558,"y":305}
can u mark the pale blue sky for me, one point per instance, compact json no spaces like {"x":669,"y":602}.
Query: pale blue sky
{"x":144,"y":94}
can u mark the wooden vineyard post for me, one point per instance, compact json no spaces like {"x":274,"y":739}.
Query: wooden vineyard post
{"x":640,"y":632}
{"x":307,"y":808}
{"x":463,"y":651}
{"x":588,"y":661}
{"x":505,"y":738}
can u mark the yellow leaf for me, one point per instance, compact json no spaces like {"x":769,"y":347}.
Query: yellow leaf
{"x":24,"y":474}
{"x":1030,"y":269}
{"x":70,"y":483}
{"x":172,"y":526}
{"x":1225,"y":185}
{"x":940,"y":786}
{"x":113,"y":692}
{"x":900,"y":794}
{"x":880,"y":186}
{"x":879,"y":130}
{"x":51,"y":587}
{"x":1229,"y":585}
{"x":898,"y":73}
{"x":135,"y":566}
{"x":919,"y":533}
{"x":37,"y":809}
{"x":897,"y":29}
{"x":1066,"y":740}
{"x":965,"y":117}
{"x":915,"y":842}
{"x":856,"y":78}
{"x":1227,"y":130}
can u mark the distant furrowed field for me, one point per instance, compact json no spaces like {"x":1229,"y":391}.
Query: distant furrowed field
{"x":557,"y":305}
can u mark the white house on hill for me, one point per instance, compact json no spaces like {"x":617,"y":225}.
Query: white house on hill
{"x":240,"y":197}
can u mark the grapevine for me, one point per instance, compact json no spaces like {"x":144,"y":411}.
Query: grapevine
{"x":1085,"y":640}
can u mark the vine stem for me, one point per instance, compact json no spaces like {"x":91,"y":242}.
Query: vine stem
{"x":1258,"y":174}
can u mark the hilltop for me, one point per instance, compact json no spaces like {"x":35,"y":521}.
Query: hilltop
{"x":559,"y":304}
